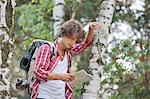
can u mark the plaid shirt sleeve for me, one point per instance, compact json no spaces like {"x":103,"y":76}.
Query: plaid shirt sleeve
{"x":78,"y":48}
{"x":42,"y":62}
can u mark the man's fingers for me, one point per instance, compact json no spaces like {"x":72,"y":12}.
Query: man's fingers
{"x":95,"y":25}
{"x":98,"y":25}
{"x":70,"y":77}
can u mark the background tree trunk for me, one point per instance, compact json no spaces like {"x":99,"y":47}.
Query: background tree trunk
{"x":99,"y":50}
{"x":6,"y":45}
{"x":58,"y":15}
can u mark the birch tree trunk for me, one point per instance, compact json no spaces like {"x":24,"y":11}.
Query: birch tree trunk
{"x":6,"y":45}
{"x":58,"y":15}
{"x":99,"y":50}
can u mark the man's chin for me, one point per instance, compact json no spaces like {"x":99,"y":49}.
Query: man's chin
{"x":69,"y":47}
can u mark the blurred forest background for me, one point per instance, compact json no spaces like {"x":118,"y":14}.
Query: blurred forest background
{"x":126,"y":73}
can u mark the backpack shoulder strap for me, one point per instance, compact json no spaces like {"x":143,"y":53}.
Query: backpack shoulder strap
{"x":51,"y":44}
{"x":52,"y":48}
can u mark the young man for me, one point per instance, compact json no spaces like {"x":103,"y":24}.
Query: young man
{"x":52,"y":75}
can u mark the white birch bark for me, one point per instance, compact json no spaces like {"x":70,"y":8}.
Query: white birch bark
{"x":6,"y":45}
{"x":99,"y":50}
{"x":58,"y":15}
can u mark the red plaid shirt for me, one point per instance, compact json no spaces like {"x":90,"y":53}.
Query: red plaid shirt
{"x":43,"y":66}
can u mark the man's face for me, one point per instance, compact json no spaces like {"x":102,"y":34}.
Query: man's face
{"x":70,"y":41}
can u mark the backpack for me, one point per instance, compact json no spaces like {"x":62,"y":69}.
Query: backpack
{"x":27,"y":62}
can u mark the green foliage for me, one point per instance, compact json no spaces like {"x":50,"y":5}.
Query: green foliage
{"x":86,"y":9}
{"x":133,"y":83}
{"x":77,"y":91}
{"x":34,"y":20}
{"x":124,"y":13}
